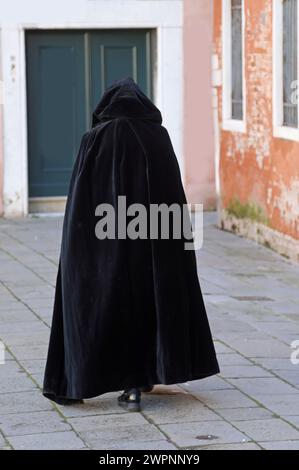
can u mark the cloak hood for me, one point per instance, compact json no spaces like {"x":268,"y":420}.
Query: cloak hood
{"x":128,"y":312}
{"x":124,"y":98}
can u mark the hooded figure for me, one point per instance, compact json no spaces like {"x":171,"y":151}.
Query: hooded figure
{"x":128,"y":313}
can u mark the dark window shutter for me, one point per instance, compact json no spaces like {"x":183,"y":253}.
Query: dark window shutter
{"x":290,"y":50}
{"x":237,"y":59}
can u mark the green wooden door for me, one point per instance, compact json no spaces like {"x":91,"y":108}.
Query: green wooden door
{"x":114,"y":56}
{"x":67,"y":73}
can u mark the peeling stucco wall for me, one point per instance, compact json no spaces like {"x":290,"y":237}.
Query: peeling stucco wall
{"x":256,"y":167}
{"x":1,"y":134}
{"x":18,"y":16}
{"x":198,"y":115}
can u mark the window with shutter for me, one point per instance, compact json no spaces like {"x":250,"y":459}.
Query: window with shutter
{"x":233,"y":61}
{"x":237,"y":59}
{"x":290,"y":50}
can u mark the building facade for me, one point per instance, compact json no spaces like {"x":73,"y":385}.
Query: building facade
{"x":198,"y":135}
{"x":56,"y":61}
{"x":1,"y":135}
{"x":224,"y":74}
{"x":255,"y":62}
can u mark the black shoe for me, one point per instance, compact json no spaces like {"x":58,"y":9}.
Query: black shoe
{"x":146,"y":388}
{"x":68,"y":401}
{"x":130,"y":399}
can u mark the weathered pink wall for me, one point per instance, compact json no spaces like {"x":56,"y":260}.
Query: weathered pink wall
{"x":1,"y":163}
{"x":255,"y":167}
{"x":198,"y":118}
{"x":1,"y":140}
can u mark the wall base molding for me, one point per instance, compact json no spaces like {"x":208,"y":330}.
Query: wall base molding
{"x":47,"y":204}
{"x":283,"y":244}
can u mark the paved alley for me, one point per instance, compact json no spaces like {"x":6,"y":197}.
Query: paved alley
{"x":252,"y":300}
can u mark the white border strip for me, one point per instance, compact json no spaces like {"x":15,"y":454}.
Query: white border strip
{"x":228,"y":123}
{"x":280,"y":131}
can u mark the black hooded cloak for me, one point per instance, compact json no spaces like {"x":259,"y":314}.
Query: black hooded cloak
{"x":127,"y":312}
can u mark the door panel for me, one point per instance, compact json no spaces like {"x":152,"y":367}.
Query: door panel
{"x":67,"y":74}
{"x":56,"y":109}
{"x":114,"y":56}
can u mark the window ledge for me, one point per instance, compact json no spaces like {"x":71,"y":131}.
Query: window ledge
{"x":234,"y":125}
{"x":287,"y":133}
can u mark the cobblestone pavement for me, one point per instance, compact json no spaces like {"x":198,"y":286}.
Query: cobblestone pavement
{"x":252,"y":300}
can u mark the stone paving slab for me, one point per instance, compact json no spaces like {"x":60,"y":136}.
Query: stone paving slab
{"x":236,"y":372}
{"x":16,"y":383}
{"x":193,"y":434}
{"x":263,"y":386}
{"x":219,"y":399}
{"x":133,"y":445}
{"x":32,"y":423}
{"x":18,"y":402}
{"x":111,"y":435}
{"x":280,"y":445}
{"x":211,"y":383}
{"x":66,"y":440}
{"x":91,"y":423}
{"x":267,"y":429}
{"x":245,"y":414}
{"x":287,"y":405}
{"x":276,"y":365}
{"x":239,"y":446}
{"x":293,"y":420}
{"x":252,"y":300}
{"x":233,"y":359}
{"x":176,"y":409}
{"x":262,"y":347}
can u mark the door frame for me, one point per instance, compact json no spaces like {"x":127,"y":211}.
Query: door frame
{"x":56,"y":204}
{"x":165,"y":42}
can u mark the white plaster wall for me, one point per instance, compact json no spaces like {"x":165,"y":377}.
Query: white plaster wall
{"x":18,"y":15}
